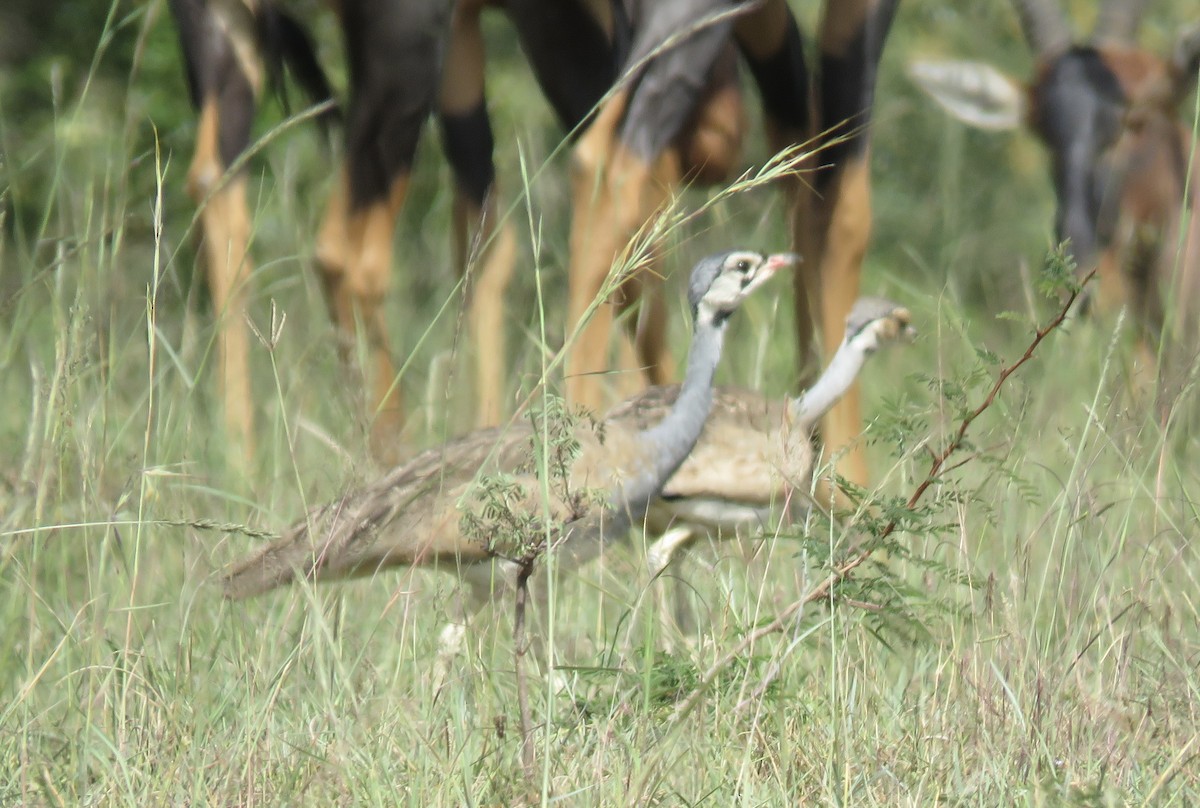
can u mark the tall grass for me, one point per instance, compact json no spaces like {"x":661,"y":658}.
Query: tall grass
{"x":1040,"y":637}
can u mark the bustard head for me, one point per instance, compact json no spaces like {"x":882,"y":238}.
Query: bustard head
{"x":876,"y":321}
{"x":720,"y":282}
{"x":873,"y":322}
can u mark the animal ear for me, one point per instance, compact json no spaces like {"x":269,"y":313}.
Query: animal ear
{"x":1185,"y":60}
{"x":975,"y":93}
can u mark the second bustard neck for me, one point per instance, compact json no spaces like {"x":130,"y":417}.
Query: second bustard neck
{"x":663,"y":447}
{"x":831,"y":386}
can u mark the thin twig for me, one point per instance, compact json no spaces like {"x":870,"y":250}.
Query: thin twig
{"x":520,"y":646}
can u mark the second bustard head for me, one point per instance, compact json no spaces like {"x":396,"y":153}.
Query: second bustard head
{"x":412,"y":516}
{"x":753,"y":452}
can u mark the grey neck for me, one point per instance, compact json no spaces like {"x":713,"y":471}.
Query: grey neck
{"x":827,"y":390}
{"x":666,"y":445}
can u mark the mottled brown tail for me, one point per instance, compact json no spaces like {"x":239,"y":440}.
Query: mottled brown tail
{"x":280,"y":562}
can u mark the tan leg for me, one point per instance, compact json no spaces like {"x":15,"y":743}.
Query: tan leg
{"x":647,"y":327}
{"x":707,"y":155}
{"x":841,"y":268}
{"x":809,"y":229}
{"x":641,"y":355}
{"x":615,"y":193}
{"x":1113,"y":293}
{"x":651,"y":333}
{"x":485,"y":250}
{"x":627,"y":371}
{"x":713,"y":142}
{"x":832,"y":235}
{"x":1187,"y":288}
{"x":832,"y":219}
{"x":354,"y":255}
{"x":225,"y":233}
{"x":489,"y":273}
{"x":1112,"y":287}
{"x":592,"y":253}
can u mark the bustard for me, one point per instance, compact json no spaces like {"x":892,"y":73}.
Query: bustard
{"x":753,"y":453}
{"x":413,"y":515}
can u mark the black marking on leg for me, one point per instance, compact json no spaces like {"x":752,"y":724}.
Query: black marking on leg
{"x":395,"y":56}
{"x":235,"y":111}
{"x":848,"y":88}
{"x":573,"y":60}
{"x":214,"y":72}
{"x":782,"y":80}
{"x":1077,"y":109}
{"x":286,"y":43}
{"x":467,"y":138}
{"x":189,"y":18}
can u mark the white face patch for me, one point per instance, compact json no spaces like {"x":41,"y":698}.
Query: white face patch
{"x":728,"y":279}
{"x":725,"y":293}
{"x":741,"y":273}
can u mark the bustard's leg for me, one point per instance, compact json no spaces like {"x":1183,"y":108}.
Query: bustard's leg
{"x":451,"y":640}
{"x":660,"y":555}
{"x":663,"y":550}
{"x":485,"y":248}
{"x":482,"y":584}
{"x":493,"y":583}
{"x":225,"y":77}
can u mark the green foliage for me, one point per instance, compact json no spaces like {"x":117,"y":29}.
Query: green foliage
{"x":1059,"y":273}
{"x":498,"y":516}
{"x":664,"y":679}
{"x":554,"y":445}
{"x":505,"y":512}
{"x":902,"y":421}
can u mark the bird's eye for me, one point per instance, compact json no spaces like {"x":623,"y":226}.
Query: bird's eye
{"x":743,"y":266}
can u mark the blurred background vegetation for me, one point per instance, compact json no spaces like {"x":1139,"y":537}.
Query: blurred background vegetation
{"x":95,"y":125}
{"x":89,"y":92}
{"x":94,"y":116}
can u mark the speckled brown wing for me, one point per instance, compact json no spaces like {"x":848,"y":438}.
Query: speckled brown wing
{"x":359,"y":533}
{"x":739,"y":454}
{"x":413,"y":514}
